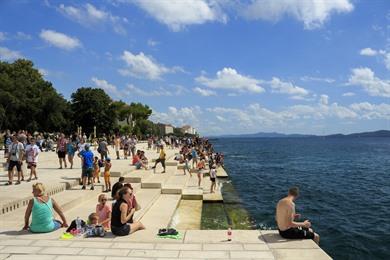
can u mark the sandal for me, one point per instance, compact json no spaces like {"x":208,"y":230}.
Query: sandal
{"x":17,"y":183}
{"x":8,"y":183}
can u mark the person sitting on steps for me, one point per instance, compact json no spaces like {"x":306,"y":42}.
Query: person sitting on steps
{"x":285,"y":218}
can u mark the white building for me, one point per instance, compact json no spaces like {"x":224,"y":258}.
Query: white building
{"x":165,"y":129}
{"x":187,"y":129}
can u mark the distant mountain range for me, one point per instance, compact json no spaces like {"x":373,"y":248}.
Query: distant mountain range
{"x":379,"y":133}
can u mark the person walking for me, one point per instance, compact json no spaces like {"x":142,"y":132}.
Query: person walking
{"x":15,"y":157}
{"x":161,"y":159}
{"x":71,"y":150}
{"x":32,"y":151}
{"x":61,"y":150}
{"x":117,"y":141}
{"x":103,"y":149}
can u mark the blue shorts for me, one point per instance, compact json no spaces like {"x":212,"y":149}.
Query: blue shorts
{"x":57,"y":224}
{"x":138,"y":165}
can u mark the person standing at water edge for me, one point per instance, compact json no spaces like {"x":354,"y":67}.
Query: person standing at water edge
{"x":285,"y":218}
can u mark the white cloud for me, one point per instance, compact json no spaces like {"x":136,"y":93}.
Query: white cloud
{"x":204,"y":92}
{"x":324,"y":100}
{"x":2,"y":36}
{"x":365,"y":78}
{"x":142,"y":66}
{"x":368,"y":52}
{"x":107,"y":87}
{"x":180,"y":116}
{"x":229,"y":78}
{"x":313,"y":13}
{"x":9,"y":55}
{"x":152,"y":43}
{"x":177,"y":14}
{"x":288,"y":88}
{"x":44,"y":72}
{"x":372,"y":111}
{"x":384,"y":54}
{"x":349,"y":94}
{"x":310,"y":78}
{"x":387,"y":60}
{"x":60,"y":40}
{"x":90,"y":16}
{"x":174,"y":91}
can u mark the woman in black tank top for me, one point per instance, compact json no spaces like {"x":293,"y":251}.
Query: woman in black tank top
{"x":121,"y":215}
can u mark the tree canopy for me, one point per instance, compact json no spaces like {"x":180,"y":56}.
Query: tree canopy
{"x":28,"y":101}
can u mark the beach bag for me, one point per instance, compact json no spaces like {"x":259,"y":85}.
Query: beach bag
{"x":73,"y":225}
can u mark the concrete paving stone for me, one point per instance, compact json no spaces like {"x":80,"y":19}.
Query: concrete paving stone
{"x":204,"y":254}
{"x":252,"y":254}
{"x":149,"y":235}
{"x":133,"y":245}
{"x":61,"y":251}
{"x":54,"y":243}
{"x":4,"y":256}
{"x":79,"y":257}
{"x":274,"y":240}
{"x":183,"y":258}
{"x":257,"y":247}
{"x":162,"y":246}
{"x":20,"y":250}
{"x":222,"y":247}
{"x":219,"y":236}
{"x":295,"y":254}
{"x":128,"y":258}
{"x":154,"y":253}
{"x":100,"y":244}
{"x":105,"y":252}
{"x":15,"y":242}
{"x":32,"y":257}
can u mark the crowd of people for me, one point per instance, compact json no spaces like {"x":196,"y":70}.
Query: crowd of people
{"x":196,"y":154}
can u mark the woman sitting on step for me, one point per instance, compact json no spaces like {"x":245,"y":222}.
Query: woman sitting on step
{"x":41,"y":208}
{"x":120,"y":215}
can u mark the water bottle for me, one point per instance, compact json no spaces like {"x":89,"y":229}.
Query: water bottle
{"x":78,"y":226}
{"x":229,"y":234}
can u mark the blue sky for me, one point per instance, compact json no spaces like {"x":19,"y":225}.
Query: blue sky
{"x":291,"y":66}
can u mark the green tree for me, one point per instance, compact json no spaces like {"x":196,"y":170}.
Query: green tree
{"x":93,"y":107}
{"x":29,"y":102}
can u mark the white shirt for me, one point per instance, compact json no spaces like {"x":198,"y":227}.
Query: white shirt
{"x":14,"y":150}
{"x":32,"y":152}
{"x":213,"y":173}
{"x":81,"y":147}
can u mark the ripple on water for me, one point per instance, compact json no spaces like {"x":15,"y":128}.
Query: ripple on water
{"x":345,"y":187}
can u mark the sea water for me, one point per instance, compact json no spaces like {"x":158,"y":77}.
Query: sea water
{"x":344,"y":184}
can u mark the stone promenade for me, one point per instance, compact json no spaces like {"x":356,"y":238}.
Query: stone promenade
{"x":171,"y":199}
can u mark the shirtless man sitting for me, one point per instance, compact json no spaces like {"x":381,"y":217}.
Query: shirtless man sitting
{"x":285,"y":216}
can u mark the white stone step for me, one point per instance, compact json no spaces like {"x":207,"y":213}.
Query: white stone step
{"x":162,"y":211}
{"x":67,"y":200}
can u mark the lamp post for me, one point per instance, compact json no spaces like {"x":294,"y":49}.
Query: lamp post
{"x":94,"y":132}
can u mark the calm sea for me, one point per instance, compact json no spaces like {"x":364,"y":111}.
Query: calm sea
{"x":344,"y":183}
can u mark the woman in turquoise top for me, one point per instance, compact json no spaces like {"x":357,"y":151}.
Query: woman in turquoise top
{"x":41,"y":208}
